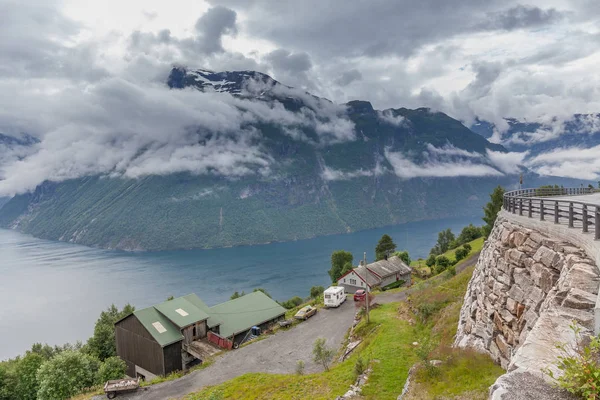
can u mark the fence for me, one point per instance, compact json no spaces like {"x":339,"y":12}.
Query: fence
{"x":219,"y":341}
{"x":537,"y":202}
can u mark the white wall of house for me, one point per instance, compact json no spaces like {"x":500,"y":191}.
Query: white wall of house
{"x":352,"y":282}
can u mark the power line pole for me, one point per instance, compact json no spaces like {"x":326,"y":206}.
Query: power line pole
{"x":367,"y":279}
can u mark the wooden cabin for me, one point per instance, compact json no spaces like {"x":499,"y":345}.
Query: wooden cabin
{"x":172,"y":336}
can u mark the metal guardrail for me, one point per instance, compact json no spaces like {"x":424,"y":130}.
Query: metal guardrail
{"x":537,"y":202}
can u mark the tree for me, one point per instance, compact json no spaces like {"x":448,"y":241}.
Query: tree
{"x":492,"y":209}
{"x":27,"y":368}
{"x":468,"y":234}
{"x":102,"y":344}
{"x":322,"y":354}
{"x":460,"y":253}
{"x":403,"y":255}
{"x":441,"y":263}
{"x":467,"y":247}
{"x":316,"y":291}
{"x":339,"y":262}
{"x":66,"y":375}
{"x":112,"y":368}
{"x":235,"y":295}
{"x":8,"y":380}
{"x":430,"y":262}
{"x":262,"y":290}
{"x":384,"y":247}
{"x":445,"y":238}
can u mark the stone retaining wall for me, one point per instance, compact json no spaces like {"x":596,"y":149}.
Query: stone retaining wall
{"x":526,"y":290}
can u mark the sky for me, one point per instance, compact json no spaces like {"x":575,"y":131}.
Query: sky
{"x":87,"y":78}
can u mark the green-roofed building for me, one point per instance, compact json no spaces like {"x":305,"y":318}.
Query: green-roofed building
{"x":172,"y":335}
{"x":240,"y":315}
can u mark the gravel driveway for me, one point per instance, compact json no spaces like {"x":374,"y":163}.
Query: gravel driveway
{"x":275,"y":354}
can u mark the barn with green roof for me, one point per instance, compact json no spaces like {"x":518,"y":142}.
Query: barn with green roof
{"x":181,"y":332}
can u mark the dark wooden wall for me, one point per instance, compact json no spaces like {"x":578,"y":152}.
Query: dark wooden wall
{"x":172,"y":357}
{"x":136,"y":346}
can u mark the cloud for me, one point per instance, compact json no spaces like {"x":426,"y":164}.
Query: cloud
{"x":330,"y":174}
{"x":407,"y":169}
{"x":521,"y":16}
{"x":212,"y":26}
{"x":389,"y":117}
{"x":450,"y":150}
{"x":348,"y":77}
{"x":509,"y":163}
{"x":291,"y":68}
{"x":572,"y":162}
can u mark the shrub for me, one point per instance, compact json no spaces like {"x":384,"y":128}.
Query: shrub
{"x":441,"y":263}
{"x":395,"y":285}
{"x":316,"y":291}
{"x":111,"y":368}
{"x":66,"y":375}
{"x":404,"y":256}
{"x":300,"y":367}
{"x":430,"y":262}
{"x":26,"y":372}
{"x":467,"y":247}
{"x":580,"y":366}
{"x":360,"y":366}
{"x":452,"y":270}
{"x":293,"y":302}
{"x":322,"y":354}
{"x":461,"y":253}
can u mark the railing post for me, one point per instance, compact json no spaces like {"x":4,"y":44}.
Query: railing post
{"x":570,"y":215}
{"x":530,"y":211}
{"x":556,"y":212}
{"x":597,"y":223}
{"x":513,"y":205}
{"x":541,"y":210}
{"x":585,"y":219}
{"x":521,"y":206}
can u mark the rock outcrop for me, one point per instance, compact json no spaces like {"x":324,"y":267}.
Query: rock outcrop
{"x":526,"y":291}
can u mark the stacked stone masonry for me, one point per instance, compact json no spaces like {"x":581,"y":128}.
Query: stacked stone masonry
{"x":525,"y":292}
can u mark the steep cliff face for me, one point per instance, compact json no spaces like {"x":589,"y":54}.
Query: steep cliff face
{"x":525,"y":292}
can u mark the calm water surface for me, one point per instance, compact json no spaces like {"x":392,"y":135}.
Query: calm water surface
{"x":53,"y":292}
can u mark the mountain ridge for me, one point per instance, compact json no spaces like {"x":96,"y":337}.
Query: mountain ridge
{"x":349,"y":168}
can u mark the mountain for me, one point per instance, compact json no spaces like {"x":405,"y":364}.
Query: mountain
{"x":364,"y":169}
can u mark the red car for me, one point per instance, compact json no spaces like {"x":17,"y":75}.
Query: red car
{"x":360,"y":295}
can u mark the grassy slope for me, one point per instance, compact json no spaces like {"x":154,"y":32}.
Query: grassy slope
{"x":388,"y":340}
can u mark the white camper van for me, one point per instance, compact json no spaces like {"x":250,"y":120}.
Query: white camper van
{"x":334,"y":296}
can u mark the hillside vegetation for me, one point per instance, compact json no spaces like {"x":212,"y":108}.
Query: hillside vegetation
{"x":388,"y":344}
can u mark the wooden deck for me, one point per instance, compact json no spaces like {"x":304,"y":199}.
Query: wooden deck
{"x":202,"y":349}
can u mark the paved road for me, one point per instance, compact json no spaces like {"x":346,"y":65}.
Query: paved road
{"x":278,"y":353}
{"x":275,"y":354}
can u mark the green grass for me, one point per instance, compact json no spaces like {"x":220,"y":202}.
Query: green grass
{"x":387,"y":339}
{"x":462,"y":371}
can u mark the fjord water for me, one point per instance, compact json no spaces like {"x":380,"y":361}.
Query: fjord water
{"x":53,"y":292}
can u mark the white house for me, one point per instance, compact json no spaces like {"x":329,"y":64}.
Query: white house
{"x":380,"y":273}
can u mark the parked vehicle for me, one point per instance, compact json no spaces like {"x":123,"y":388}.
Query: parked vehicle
{"x":334,"y":296}
{"x":305,"y":312}
{"x":360,"y":295}
{"x":114,"y":387}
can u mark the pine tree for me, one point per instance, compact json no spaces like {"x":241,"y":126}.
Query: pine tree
{"x":492,"y":209}
{"x":385,"y":247}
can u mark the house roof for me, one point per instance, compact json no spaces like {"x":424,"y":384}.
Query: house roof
{"x":245,"y":312}
{"x":195,"y":300}
{"x":161,"y":329}
{"x":391,"y":266}
{"x":182,"y":312}
{"x":370,"y":278}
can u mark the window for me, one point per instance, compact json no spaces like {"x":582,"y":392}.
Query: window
{"x":327,"y":296}
{"x":353,"y":281}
